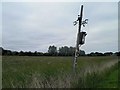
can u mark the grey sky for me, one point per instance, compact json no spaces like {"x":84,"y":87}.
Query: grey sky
{"x":34,"y":26}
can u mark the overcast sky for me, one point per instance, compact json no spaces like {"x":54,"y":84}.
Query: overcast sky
{"x":35,"y":26}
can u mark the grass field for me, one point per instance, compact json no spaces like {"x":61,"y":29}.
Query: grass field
{"x":57,"y":72}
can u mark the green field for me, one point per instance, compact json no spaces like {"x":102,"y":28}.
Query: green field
{"x":57,"y":72}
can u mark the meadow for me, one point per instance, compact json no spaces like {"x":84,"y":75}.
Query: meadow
{"x":57,"y":72}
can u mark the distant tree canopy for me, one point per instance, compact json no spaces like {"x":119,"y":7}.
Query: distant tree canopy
{"x":1,"y":49}
{"x":63,"y":51}
{"x":108,"y":53}
{"x":82,"y":53}
{"x":96,"y":54}
{"x":52,"y":51}
{"x":66,"y":51}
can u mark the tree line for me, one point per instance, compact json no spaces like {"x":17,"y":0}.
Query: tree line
{"x":52,"y":51}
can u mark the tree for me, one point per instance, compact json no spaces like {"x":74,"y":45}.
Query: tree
{"x":71,"y":51}
{"x":108,"y":53}
{"x":6,"y":52}
{"x":95,"y":54}
{"x":64,"y":51}
{"x":21,"y":53}
{"x":61,"y":52}
{"x":52,"y":50}
{"x":1,"y":50}
{"x":117,"y":53}
{"x":82,"y":53}
{"x":98,"y":54}
{"x":92,"y":54}
{"x":15,"y":53}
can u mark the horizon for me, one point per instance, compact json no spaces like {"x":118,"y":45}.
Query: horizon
{"x":58,"y":50}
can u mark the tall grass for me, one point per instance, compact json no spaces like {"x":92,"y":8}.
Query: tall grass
{"x":54,"y":72}
{"x":70,"y":80}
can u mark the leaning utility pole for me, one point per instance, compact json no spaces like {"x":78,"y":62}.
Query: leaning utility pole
{"x":80,"y":36}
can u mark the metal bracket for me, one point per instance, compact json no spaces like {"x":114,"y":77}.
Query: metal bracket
{"x":84,"y":22}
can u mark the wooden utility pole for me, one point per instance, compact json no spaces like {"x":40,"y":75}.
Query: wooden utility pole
{"x":80,"y":36}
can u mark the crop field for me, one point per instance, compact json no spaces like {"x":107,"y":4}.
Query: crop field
{"x":57,"y":72}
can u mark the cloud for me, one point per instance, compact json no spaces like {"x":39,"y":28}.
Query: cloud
{"x":35,"y":26}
